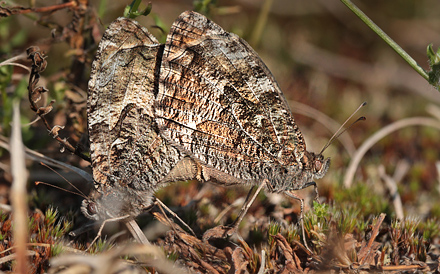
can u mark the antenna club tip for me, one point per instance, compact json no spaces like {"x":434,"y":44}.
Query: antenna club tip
{"x":362,"y":118}
{"x":37,"y":183}
{"x":364,"y":103}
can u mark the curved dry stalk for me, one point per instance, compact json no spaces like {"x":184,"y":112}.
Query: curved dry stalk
{"x":434,"y":110}
{"x":31,"y":122}
{"x":414,"y":121}
{"x":326,"y":121}
{"x":238,"y":202}
{"x":11,"y":61}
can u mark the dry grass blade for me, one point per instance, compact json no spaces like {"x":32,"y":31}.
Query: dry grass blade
{"x":368,"y":250}
{"x":263,"y":262}
{"x":13,"y":256}
{"x":5,"y":208}
{"x":109,"y":262}
{"x":401,"y":268}
{"x":18,"y":193}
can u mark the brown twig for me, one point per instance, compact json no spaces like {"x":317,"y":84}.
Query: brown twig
{"x":5,"y":12}
{"x":38,"y":65}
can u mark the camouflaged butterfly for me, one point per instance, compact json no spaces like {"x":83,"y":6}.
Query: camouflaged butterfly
{"x":203,"y":106}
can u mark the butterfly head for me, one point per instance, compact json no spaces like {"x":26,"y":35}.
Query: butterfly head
{"x":90,"y":209}
{"x":298,"y":175}
{"x":315,"y":164}
{"x":93,"y":208}
{"x":309,"y":168}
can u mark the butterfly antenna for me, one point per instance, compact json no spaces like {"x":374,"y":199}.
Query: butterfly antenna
{"x":340,"y":130}
{"x":79,"y":193}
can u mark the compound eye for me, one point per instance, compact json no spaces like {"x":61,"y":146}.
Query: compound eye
{"x":92,"y":209}
{"x":318,"y":165}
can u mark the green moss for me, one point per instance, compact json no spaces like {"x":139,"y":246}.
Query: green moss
{"x":363,"y":198}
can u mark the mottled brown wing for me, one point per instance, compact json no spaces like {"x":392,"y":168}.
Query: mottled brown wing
{"x":126,"y":149}
{"x":218,"y":100}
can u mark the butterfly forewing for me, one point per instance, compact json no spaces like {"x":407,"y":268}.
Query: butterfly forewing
{"x":219,"y":101}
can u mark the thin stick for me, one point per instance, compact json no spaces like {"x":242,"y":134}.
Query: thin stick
{"x":247,"y":204}
{"x":159,"y":202}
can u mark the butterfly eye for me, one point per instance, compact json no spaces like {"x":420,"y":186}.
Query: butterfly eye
{"x":318,"y":165}
{"x":91,"y":208}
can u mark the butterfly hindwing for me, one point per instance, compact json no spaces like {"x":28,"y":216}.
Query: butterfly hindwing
{"x":126,"y":149}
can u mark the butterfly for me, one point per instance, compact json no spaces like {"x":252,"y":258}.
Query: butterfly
{"x":202,"y":106}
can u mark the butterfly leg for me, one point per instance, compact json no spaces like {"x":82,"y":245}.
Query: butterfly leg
{"x":247,"y":204}
{"x":301,"y":215}
{"x":315,"y":188}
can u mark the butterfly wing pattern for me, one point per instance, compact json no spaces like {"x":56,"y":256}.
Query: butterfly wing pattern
{"x":221,"y":104}
{"x":203,"y":106}
{"x":129,"y":158}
